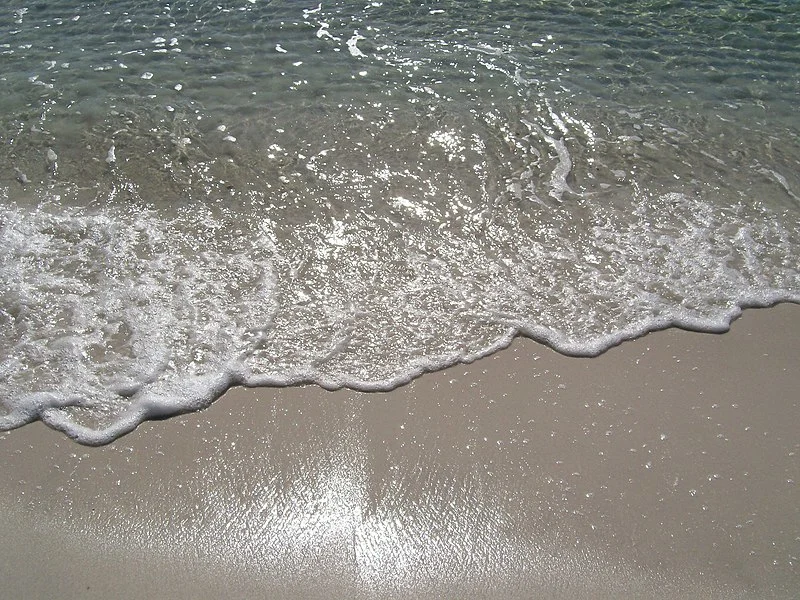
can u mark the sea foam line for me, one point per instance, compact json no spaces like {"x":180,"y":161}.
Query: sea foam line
{"x":197,"y":393}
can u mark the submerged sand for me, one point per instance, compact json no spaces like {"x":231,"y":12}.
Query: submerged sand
{"x":665,"y":468}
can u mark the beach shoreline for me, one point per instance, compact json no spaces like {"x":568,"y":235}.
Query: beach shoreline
{"x":664,"y":468}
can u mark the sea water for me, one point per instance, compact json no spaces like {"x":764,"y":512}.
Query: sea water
{"x":195,"y":195}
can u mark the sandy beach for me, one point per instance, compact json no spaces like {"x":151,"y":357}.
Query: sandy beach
{"x":665,"y":468}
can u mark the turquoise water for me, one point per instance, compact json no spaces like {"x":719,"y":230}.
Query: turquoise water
{"x":197,"y":195}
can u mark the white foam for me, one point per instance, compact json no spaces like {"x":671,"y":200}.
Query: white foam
{"x":350,"y":233}
{"x":352,"y":45}
{"x":174,"y":340}
{"x":311,"y":11}
{"x":558,"y":177}
{"x":323,"y":32}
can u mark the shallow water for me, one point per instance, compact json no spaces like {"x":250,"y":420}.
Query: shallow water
{"x":198,"y":195}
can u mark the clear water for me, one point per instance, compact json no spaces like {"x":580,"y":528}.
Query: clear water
{"x":204,"y":194}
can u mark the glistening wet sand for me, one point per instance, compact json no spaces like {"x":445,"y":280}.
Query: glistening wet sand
{"x":665,"y":468}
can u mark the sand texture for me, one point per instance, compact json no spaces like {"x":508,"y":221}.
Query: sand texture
{"x":665,"y":468}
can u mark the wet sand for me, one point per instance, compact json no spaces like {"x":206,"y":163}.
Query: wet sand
{"x":665,"y":468}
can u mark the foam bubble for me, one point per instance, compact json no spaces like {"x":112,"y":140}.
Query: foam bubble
{"x":352,"y":45}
